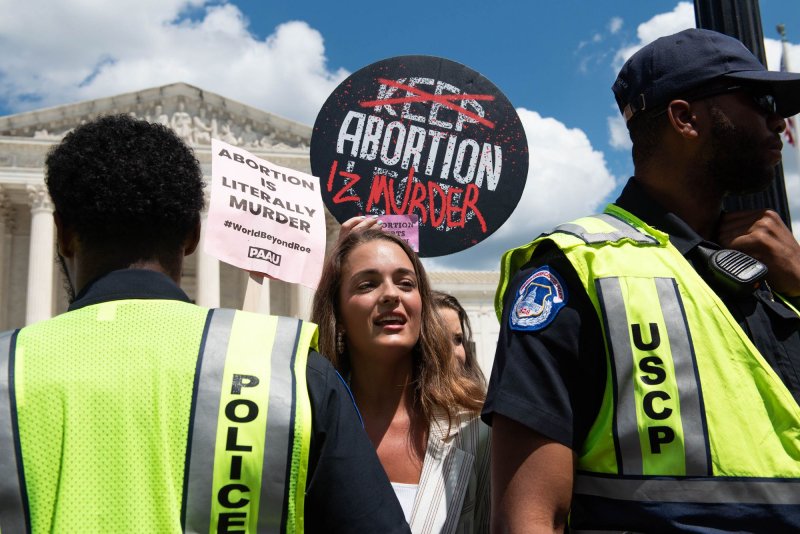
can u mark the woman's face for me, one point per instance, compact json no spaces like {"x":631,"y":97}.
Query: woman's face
{"x":453,"y":325}
{"x":379,"y":301}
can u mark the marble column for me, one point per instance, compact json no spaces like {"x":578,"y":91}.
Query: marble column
{"x":40,"y":260}
{"x":6,"y":212}
{"x":303,"y":301}
{"x":257,"y":294}
{"x":207,"y":270}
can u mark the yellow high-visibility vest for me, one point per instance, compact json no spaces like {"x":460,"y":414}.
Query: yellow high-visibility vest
{"x":693,"y":418}
{"x":155,"y":416}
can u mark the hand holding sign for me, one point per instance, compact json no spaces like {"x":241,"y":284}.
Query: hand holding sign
{"x":357,"y":224}
{"x":406,"y":227}
{"x":424,"y":136}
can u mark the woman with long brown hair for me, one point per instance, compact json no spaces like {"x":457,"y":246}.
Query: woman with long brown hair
{"x":457,"y":323}
{"x":380,"y":328}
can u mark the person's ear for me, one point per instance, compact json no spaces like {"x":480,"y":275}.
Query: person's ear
{"x":66,"y":238}
{"x":683,"y":119}
{"x":192,"y":240}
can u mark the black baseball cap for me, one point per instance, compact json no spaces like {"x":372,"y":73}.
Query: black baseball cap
{"x":675,"y":65}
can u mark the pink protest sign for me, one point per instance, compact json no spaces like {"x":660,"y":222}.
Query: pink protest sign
{"x":264,"y":218}
{"x":406,"y":227}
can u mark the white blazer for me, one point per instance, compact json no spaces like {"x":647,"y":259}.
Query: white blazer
{"x":453,"y":494}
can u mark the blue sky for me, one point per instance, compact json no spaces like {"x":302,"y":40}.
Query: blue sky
{"x":554,"y":60}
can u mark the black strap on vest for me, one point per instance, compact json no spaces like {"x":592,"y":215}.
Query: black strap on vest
{"x":14,"y":512}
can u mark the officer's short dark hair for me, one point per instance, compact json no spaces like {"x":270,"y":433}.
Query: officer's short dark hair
{"x":127,"y":187}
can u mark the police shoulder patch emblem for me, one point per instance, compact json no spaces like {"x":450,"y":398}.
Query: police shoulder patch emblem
{"x":538,"y":300}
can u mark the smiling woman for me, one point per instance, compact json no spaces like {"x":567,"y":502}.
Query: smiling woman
{"x":379,"y":327}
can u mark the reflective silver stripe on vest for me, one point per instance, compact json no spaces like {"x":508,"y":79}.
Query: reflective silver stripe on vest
{"x":206,"y":409}
{"x":695,"y":444}
{"x":280,"y":426}
{"x":12,"y":504}
{"x":616,"y":323}
{"x":279,"y":434}
{"x":698,"y":490}
{"x":623,"y":231}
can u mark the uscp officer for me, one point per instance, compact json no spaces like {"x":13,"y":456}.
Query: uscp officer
{"x":646,"y":376}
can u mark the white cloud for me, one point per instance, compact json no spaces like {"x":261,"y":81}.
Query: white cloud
{"x":618,"y":133}
{"x":134,"y":44}
{"x":567,"y":178}
{"x":615,"y":25}
{"x":680,"y":18}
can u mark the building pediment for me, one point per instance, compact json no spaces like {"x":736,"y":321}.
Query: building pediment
{"x":195,"y":115}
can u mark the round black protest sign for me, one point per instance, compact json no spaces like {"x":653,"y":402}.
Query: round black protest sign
{"x":426,"y":136}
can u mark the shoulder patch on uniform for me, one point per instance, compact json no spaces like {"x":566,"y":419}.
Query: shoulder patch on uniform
{"x":538,"y":301}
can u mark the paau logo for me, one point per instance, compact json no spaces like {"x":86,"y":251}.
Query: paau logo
{"x":264,"y":254}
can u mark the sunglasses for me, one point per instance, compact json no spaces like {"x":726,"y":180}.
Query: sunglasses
{"x":764,"y":100}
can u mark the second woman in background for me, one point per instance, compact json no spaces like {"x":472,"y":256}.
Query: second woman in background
{"x":378,"y":321}
{"x":456,"y":322}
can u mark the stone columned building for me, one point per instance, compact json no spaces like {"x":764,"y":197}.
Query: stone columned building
{"x":31,"y":288}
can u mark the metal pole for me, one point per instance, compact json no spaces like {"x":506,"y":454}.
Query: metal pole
{"x":742,"y":19}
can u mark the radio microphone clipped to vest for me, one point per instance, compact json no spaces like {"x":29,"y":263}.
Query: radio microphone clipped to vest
{"x":733,"y":270}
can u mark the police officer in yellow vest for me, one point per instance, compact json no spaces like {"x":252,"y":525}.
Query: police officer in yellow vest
{"x":647,"y":375}
{"x":138,"y":411}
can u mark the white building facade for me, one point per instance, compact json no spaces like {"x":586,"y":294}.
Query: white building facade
{"x":31,"y":288}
